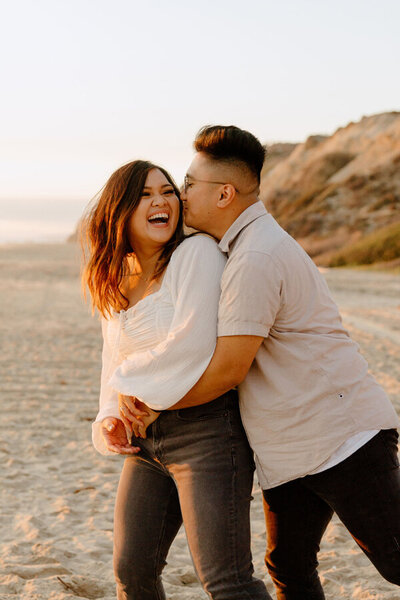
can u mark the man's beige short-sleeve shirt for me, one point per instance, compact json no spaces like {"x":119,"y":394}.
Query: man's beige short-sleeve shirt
{"x":308,"y":389}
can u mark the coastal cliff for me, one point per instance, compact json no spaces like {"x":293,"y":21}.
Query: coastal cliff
{"x":339,"y":195}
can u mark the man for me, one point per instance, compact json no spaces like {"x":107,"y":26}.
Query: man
{"x":322,"y":429}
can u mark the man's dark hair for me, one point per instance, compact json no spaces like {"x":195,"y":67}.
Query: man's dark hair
{"x":231,"y":144}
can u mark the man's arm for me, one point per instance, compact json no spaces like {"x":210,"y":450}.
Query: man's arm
{"x":229,"y":365}
{"x":250,"y":300}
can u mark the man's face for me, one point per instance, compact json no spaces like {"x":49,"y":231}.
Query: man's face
{"x":201,"y":193}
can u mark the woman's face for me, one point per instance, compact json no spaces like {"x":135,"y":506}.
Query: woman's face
{"x":155,"y":219}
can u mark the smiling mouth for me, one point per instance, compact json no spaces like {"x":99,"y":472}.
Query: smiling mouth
{"x":159,"y":218}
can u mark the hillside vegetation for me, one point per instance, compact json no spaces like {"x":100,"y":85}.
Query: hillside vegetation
{"x":381,"y":246}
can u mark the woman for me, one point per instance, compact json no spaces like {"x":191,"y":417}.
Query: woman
{"x":158,"y":296}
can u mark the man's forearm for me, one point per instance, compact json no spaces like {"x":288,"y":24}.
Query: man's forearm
{"x":212,"y":383}
{"x":228,"y":367}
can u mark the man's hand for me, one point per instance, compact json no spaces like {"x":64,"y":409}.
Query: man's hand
{"x":115,"y":437}
{"x":135,"y":415}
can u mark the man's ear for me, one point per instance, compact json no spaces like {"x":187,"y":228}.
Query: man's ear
{"x":227,"y":195}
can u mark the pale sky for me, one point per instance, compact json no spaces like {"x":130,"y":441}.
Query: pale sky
{"x":88,"y":85}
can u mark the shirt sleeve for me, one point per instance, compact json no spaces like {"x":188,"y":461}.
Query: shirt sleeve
{"x":108,"y":402}
{"x":163,"y":375}
{"x":251,"y":291}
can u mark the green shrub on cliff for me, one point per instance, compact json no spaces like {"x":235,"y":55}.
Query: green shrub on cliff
{"x":382,"y":245}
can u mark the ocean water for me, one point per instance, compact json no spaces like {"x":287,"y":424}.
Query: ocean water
{"x":43,"y":220}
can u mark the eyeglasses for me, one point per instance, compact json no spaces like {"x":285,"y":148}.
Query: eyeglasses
{"x":189,"y":180}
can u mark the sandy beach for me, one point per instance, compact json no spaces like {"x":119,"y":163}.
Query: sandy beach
{"x":57,"y":493}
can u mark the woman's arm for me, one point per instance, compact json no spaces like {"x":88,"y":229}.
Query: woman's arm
{"x":108,"y":403}
{"x":163,"y":375}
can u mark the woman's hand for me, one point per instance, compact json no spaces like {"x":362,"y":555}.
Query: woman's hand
{"x":115,"y":437}
{"x":135,"y":415}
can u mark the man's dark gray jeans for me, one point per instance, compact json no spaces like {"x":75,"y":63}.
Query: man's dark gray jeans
{"x":364,"y":491}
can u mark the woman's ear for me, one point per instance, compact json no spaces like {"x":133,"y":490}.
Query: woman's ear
{"x":227,"y":195}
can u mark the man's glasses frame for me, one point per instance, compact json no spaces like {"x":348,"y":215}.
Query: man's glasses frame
{"x":188,"y":179}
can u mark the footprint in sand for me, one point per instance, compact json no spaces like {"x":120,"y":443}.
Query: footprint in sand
{"x":82,"y":587}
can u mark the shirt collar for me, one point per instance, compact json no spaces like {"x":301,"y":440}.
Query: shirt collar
{"x":253,"y":212}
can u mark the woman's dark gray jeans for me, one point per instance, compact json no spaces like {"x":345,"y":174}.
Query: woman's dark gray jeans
{"x":195,"y":466}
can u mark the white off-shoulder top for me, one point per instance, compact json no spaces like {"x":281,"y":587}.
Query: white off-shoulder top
{"x":158,"y":349}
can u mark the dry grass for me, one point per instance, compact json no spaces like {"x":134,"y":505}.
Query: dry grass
{"x":380,"y":246}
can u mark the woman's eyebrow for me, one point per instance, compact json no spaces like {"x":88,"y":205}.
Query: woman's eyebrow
{"x":146,"y":187}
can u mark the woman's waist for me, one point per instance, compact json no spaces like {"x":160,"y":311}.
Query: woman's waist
{"x":188,"y":429}
{"x":223,"y":404}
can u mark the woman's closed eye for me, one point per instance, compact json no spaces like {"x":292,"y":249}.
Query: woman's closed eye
{"x":167,"y":192}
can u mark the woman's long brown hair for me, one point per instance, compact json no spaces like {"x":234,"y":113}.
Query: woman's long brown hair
{"x":104,"y":238}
